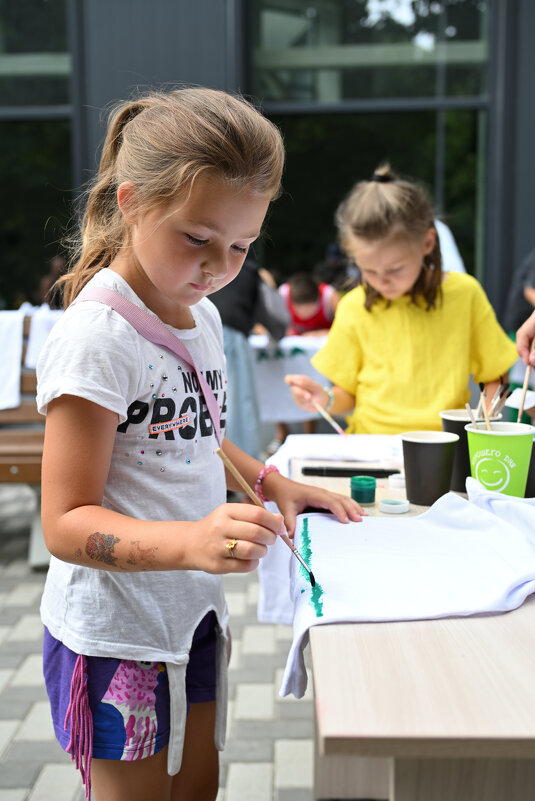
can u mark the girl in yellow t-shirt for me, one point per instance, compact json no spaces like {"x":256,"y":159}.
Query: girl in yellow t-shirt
{"x":404,"y":344}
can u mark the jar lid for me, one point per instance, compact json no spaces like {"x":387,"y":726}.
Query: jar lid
{"x":396,"y":480}
{"x":363,"y":482}
{"x":393,"y":506}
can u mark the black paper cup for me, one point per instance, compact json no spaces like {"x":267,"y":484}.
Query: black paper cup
{"x":454,"y":421}
{"x":428,"y":461}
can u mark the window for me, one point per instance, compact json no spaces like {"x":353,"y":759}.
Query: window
{"x":34,"y":58}
{"x":353,"y":83}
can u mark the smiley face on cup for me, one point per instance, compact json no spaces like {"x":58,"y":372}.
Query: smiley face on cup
{"x":493,"y":474}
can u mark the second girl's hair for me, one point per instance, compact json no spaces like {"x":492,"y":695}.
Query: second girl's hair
{"x":161,"y":142}
{"x":385,"y":207}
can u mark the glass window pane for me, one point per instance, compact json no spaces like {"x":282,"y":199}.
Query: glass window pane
{"x":35,"y":191}
{"x":334,"y":50}
{"x":327,"y":154}
{"x":34,"y":58}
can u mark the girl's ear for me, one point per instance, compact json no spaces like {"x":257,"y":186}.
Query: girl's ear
{"x":430,"y":240}
{"x":126,"y":200}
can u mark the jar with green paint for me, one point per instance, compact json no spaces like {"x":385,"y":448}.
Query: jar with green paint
{"x":363,"y":489}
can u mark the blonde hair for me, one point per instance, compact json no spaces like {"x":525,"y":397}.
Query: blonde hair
{"x":161,"y":143}
{"x":385,"y":207}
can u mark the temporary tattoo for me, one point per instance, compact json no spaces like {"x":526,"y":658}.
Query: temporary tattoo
{"x":100,"y":547}
{"x":138,"y":555}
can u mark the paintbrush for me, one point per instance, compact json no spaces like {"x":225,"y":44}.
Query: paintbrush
{"x":479,"y":409}
{"x":256,"y":500}
{"x":495,"y":398}
{"x":497,"y":404}
{"x":484,"y":407}
{"x":324,"y":413}
{"x":470,"y":414}
{"x":503,"y":399}
{"x":524,"y":387}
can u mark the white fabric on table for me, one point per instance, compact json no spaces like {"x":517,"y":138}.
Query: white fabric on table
{"x":11,"y":334}
{"x":43,"y":320}
{"x":274,"y":360}
{"x":274,"y":601}
{"x":459,"y":558}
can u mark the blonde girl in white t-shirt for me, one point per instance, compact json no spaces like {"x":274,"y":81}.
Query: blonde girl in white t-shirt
{"x":133,"y":502}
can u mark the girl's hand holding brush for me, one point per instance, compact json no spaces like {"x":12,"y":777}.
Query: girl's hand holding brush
{"x":309,"y":395}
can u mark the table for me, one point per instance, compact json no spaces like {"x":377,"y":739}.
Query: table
{"x":274,"y":360}
{"x":431,"y":710}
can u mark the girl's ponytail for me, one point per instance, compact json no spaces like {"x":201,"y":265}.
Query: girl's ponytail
{"x":102,"y":229}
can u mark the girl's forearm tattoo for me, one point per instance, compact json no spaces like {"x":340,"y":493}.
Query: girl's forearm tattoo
{"x":100,"y":547}
{"x":138,"y":555}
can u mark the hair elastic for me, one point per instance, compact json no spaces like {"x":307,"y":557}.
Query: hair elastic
{"x":382,"y":178}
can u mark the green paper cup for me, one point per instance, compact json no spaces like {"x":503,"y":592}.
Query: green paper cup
{"x":499,"y":458}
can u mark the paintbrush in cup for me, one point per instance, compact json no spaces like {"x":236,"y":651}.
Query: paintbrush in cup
{"x":470,"y":414}
{"x":485,"y":410}
{"x":256,"y":500}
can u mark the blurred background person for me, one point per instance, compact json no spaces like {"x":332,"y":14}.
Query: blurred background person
{"x":250,"y":300}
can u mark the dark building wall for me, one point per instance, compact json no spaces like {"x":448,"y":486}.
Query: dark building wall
{"x":522,"y":160}
{"x":136,"y":43}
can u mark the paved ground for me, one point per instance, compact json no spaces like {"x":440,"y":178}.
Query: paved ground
{"x":269,"y":739}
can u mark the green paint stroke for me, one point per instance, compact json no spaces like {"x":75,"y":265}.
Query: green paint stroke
{"x":316,"y":597}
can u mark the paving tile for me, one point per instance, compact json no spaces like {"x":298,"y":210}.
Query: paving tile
{"x":24,"y":594}
{"x":293,"y":794}
{"x":294,"y":763}
{"x":254,"y":702}
{"x":37,"y":725}
{"x":236,"y":602}
{"x":235,"y":654}
{"x":249,"y":782}
{"x":56,"y":783}
{"x":284,"y":633}
{"x":279,"y":729}
{"x":248,"y":750}
{"x":29,"y":627}
{"x":258,"y":639}
{"x":40,"y":752}
{"x":253,"y":592}
{"x":30,"y":673}
{"x":7,"y":730}
{"x":14,"y":795}
{"x":5,"y":676}
{"x":16,"y":569}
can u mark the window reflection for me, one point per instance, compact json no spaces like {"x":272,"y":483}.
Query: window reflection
{"x":333,"y":50}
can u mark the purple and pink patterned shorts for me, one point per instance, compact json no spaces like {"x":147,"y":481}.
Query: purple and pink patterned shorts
{"x":129,"y":700}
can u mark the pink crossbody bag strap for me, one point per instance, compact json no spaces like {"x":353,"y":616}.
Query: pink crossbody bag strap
{"x":155,"y":331}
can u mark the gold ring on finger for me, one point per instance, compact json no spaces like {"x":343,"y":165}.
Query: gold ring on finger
{"x":230,"y":547}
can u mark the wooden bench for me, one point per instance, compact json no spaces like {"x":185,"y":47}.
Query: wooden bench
{"x":21,"y":448}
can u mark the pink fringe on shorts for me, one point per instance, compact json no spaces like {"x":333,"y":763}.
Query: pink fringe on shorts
{"x":81,"y":742}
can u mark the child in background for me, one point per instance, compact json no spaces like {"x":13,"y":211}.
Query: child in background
{"x":404,"y":344}
{"x":311,"y":304}
{"x":133,"y":504}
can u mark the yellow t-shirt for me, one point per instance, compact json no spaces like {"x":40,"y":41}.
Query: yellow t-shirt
{"x":404,"y":364}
